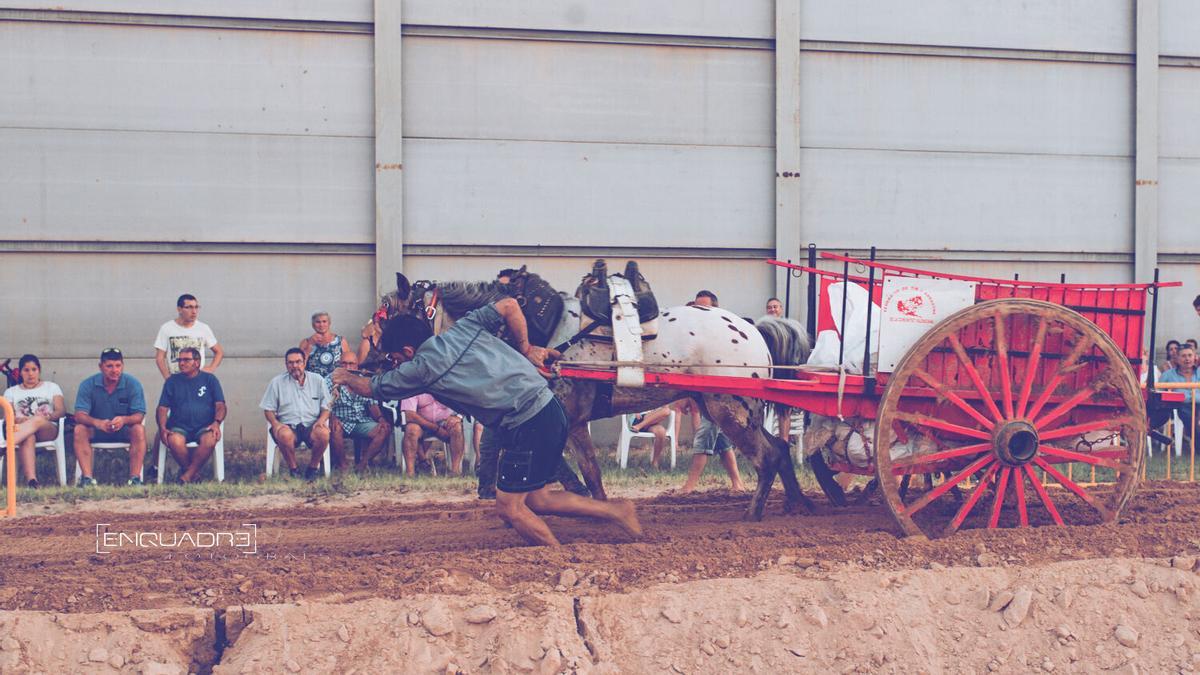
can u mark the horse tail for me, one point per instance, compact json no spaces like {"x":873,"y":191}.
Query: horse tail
{"x":788,"y":343}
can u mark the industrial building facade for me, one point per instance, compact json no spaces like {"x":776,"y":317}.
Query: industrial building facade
{"x":280,"y":157}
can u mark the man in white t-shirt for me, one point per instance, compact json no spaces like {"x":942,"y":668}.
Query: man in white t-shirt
{"x":185,"y":331}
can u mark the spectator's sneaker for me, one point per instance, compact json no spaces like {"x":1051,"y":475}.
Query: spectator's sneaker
{"x":296,"y":473}
{"x":87,"y":481}
{"x":33,"y":484}
{"x":134,"y":480}
{"x":151,"y":473}
{"x":312,"y":473}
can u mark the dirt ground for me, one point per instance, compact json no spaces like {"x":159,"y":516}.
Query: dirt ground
{"x":449,"y":557}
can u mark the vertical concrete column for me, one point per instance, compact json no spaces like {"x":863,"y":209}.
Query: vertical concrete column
{"x":787,"y":144}
{"x":1145,"y":191}
{"x":389,"y":142}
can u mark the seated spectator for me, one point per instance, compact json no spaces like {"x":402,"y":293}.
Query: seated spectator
{"x":110,"y":407}
{"x":37,"y":408}
{"x":355,"y":417}
{"x":1191,"y":342}
{"x":324,"y":348}
{"x":297,"y":409}
{"x":1172,"y":355}
{"x":774,"y":307}
{"x":196,"y":407}
{"x":425,"y":418}
{"x":652,"y":422}
{"x":1185,"y":372}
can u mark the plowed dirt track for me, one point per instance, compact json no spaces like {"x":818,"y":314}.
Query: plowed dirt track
{"x":389,"y":550}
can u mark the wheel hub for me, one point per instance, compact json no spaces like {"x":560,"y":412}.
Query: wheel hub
{"x":1015,"y":442}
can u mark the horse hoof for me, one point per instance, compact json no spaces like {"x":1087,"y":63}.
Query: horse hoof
{"x":752,"y":516}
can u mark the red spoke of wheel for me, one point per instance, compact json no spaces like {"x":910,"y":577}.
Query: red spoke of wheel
{"x":1041,"y":492}
{"x":1035,"y":355}
{"x":974,"y":375}
{"x":1002,"y":357}
{"x":939,"y":456}
{"x":1019,"y":487}
{"x":1064,"y":407}
{"x":1086,"y":458}
{"x":945,"y":487}
{"x":1063,"y":432}
{"x":1073,"y":487}
{"x":1064,"y":368}
{"x":965,"y":509}
{"x":934,"y":423}
{"x":954,"y":398}
{"x":1001,"y":485}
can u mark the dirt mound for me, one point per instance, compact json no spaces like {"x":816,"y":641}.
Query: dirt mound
{"x":145,"y":641}
{"x":1084,"y":616}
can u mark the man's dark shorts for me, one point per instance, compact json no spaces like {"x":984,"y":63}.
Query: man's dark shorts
{"x":533,"y":450}
{"x":119,"y":436}
{"x":190,"y":435}
{"x":303,"y":434}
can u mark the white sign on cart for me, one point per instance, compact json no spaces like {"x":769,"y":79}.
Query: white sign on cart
{"x":911,"y":308}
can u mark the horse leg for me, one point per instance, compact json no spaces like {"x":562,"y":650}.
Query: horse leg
{"x":796,"y":499}
{"x":825,"y":478}
{"x":742,"y":421}
{"x":585,"y":455}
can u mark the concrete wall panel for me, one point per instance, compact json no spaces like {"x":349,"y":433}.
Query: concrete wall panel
{"x":81,"y":76}
{"x":1063,"y":25}
{"x":124,"y":186}
{"x":561,"y":194}
{"x":723,"y":18}
{"x":293,"y":10}
{"x":955,"y":201}
{"x":872,"y":101}
{"x":1179,"y":109}
{"x":1180,"y":26}
{"x":1179,"y":206}
{"x":563,"y":91}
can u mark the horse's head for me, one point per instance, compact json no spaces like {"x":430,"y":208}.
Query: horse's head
{"x":419,"y":298}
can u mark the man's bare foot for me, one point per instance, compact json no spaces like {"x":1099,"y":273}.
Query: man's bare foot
{"x":626,"y":517}
{"x":686,"y":490}
{"x":738,"y":487}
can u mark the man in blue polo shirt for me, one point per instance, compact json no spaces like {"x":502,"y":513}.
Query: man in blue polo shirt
{"x":474,"y":372}
{"x":109,"y":408}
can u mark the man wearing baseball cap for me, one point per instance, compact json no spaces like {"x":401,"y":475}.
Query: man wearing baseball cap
{"x":109,"y":408}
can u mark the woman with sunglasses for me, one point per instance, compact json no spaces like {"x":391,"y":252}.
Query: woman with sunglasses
{"x":38,"y":406}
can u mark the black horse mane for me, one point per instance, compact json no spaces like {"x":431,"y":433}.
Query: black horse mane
{"x":460,"y":297}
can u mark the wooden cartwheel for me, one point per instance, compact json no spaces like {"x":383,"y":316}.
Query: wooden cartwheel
{"x":996,"y":394}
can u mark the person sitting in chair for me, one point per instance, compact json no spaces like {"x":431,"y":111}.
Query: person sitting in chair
{"x":354,"y":417}
{"x":37,"y":407}
{"x":425,"y":418}
{"x":195,"y":403}
{"x":297,"y":406}
{"x":110,"y":407}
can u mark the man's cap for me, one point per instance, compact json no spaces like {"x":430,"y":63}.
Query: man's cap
{"x":111,"y":354}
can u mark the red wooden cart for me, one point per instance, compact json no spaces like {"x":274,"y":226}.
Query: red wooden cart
{"x":1002,"y":395}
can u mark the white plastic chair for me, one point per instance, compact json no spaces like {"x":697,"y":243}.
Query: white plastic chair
{"x":218,"y":457}
{"x":628,"y":434}
{"x":58,"y":445}
{"x":273,"y":459}
{"x":106,"y":446}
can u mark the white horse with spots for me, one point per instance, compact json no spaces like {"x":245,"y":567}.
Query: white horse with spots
{"x":691,"y":339}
